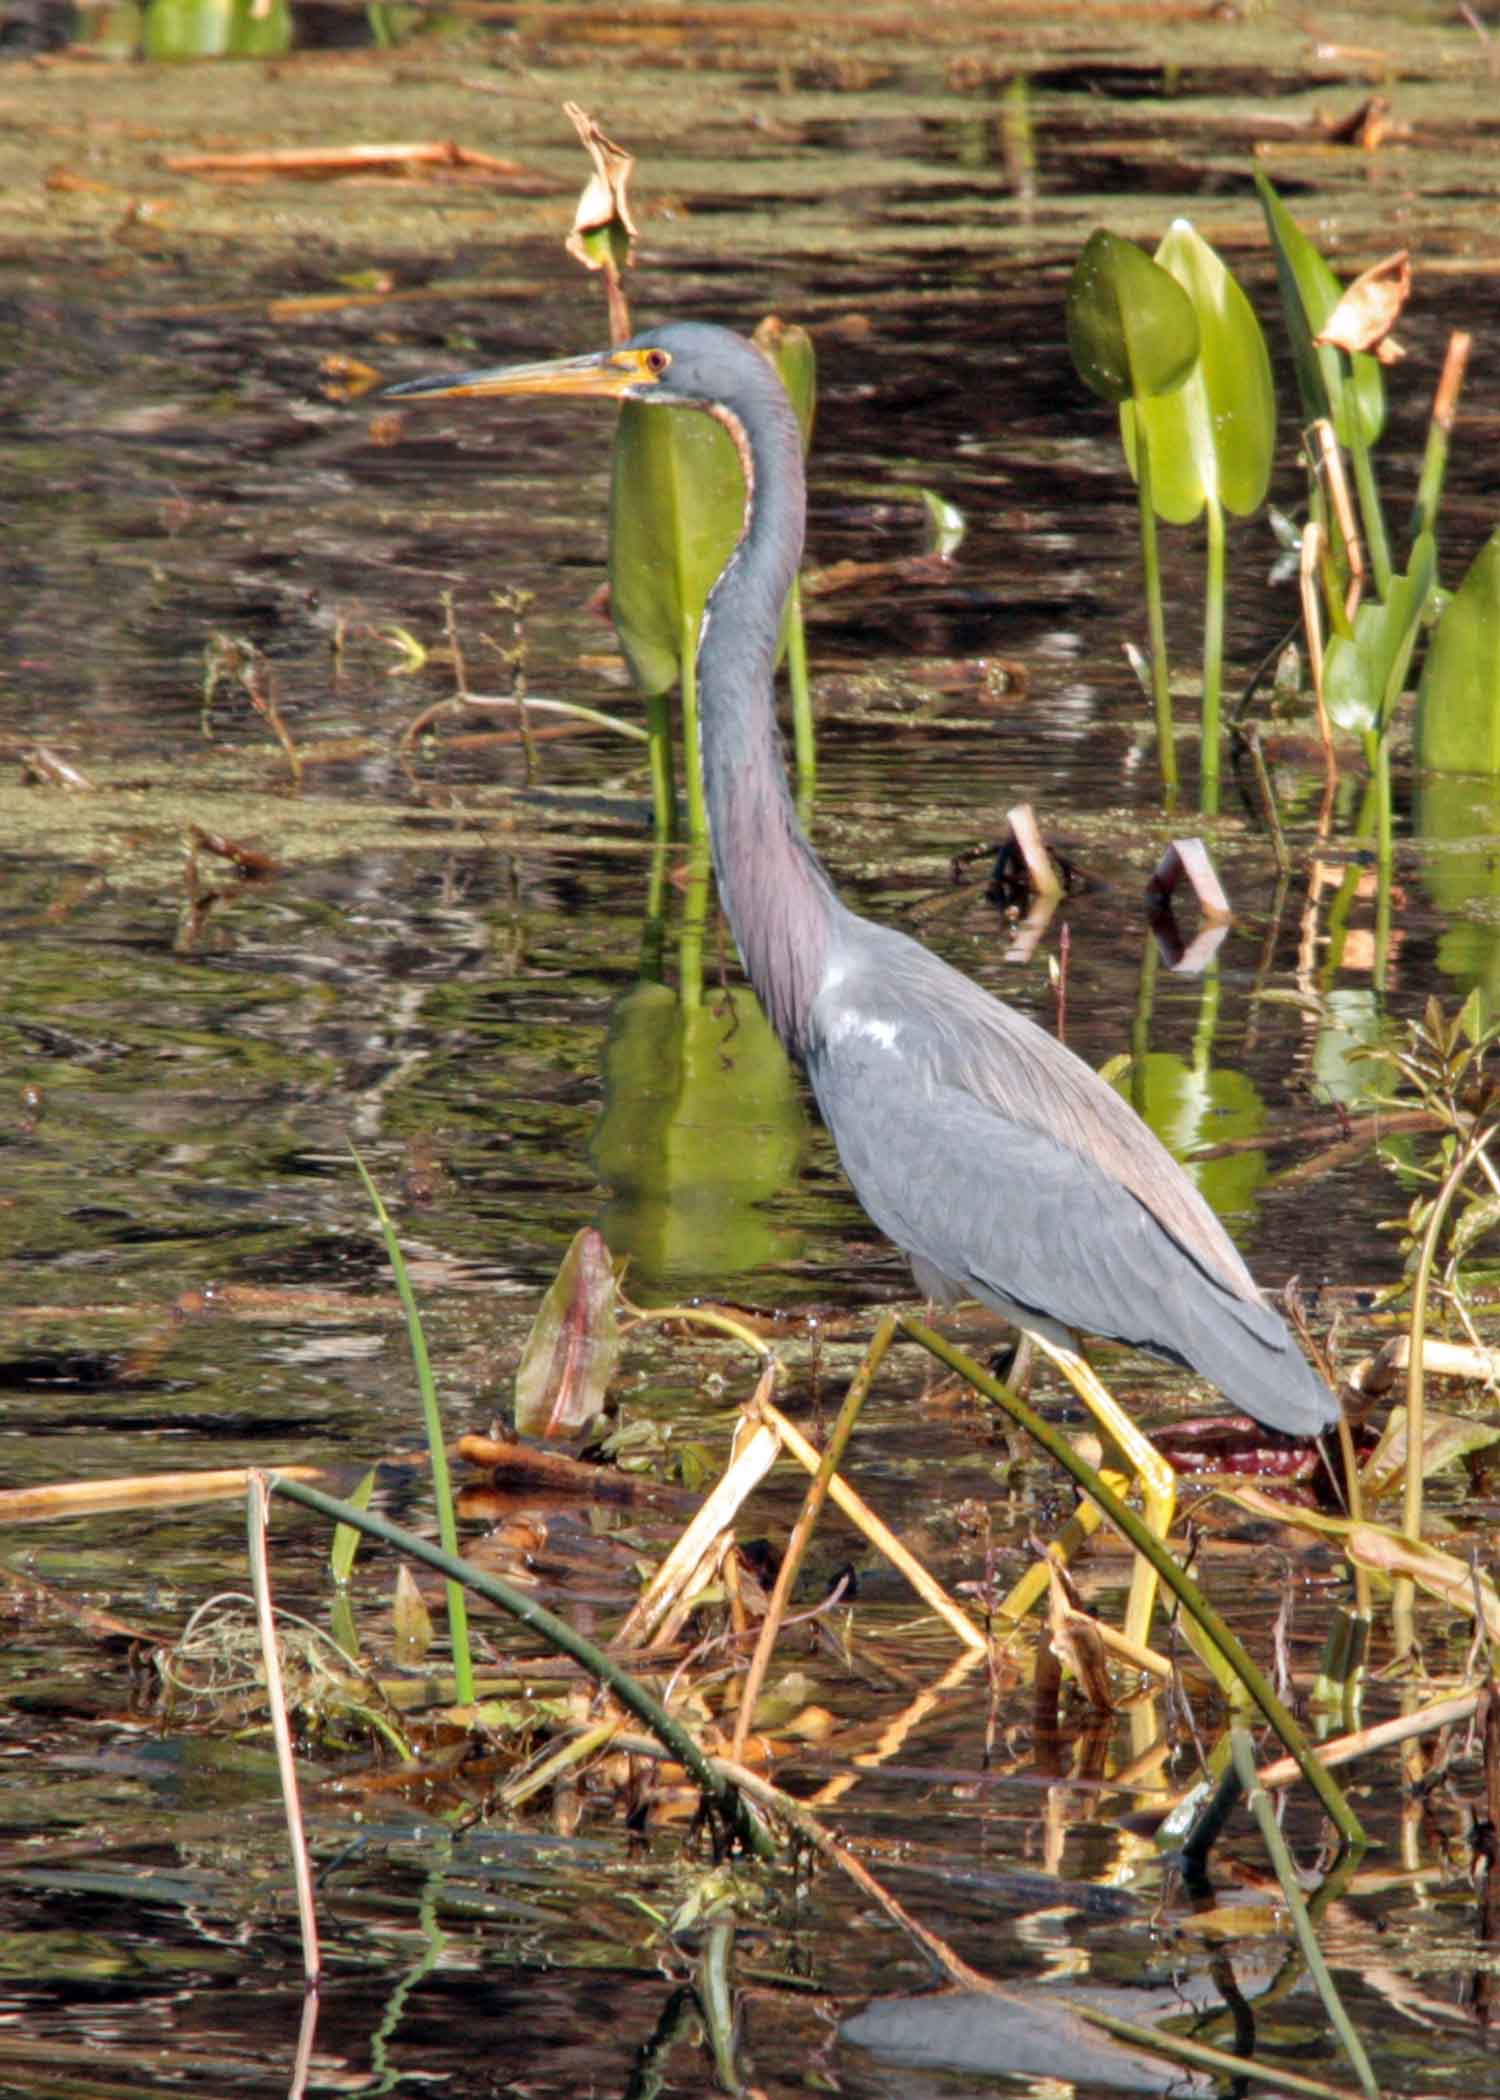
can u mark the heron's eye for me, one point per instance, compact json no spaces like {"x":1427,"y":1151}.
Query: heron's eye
{"x":656,"y":362}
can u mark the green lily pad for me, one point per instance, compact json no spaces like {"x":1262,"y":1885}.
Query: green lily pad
{"x":1212,"y":439}
{"x":676,"y":507}
{"x":1132,"y":331}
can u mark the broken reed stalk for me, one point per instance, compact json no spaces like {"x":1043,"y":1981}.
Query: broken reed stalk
{"x":1439,"y":432}
{"x":802,"y":1530}
{"x":1381,"y":1735}
{"x":754,"y":1451}
{"x":1137,"y":1535}
{"x":880,"y":1535}
{"x":258,"y":1517}
{"x":719,"y":1792}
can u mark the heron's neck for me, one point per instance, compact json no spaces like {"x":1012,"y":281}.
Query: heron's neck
{"x":775,"y":892}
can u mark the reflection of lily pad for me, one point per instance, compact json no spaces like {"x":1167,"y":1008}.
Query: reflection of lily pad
{"x":186,"y":29}
{"x":1351,"y":1022}
{"x":1456,"y":818}
{"x":1188,"y":1108}
{"x":702,"y":1124}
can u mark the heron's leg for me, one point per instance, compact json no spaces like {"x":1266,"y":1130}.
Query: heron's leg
{"x":1158,"y":1481}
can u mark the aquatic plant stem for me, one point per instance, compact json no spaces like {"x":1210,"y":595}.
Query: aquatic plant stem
{"x":694,"y":920}
{"x":692,"y":764}
{"x":1213,"y":659}
{"x":1439,"y":431}
{"x":1137,"y":1534}
{"x":1416,"y":1395}
{"x":437,"y":1450}
{"x":659,"y":736}
{"x":523,"y":1607}
{"x":1385,"y":852}
{"x":1243,"y":1753}
{"x":1372,"y":517}
{"x":1161,"y":692}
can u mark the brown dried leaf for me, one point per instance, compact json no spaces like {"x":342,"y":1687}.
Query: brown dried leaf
{"x":603,"y":203}
{"x":604,"y":233}
{"x":1370,"y":309}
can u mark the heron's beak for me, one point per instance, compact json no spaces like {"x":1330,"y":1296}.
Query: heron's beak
{"x":612,"y":375}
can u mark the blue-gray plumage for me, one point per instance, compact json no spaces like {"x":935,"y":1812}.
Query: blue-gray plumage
{"x":994,"y":1157}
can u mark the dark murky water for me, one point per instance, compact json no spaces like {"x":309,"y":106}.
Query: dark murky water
{"x":445,"y":965}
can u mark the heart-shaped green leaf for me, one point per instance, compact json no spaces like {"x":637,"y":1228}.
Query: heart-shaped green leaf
{"x":1458,"y":702}
{"x":676,"y":506}
{"x":1213,"y":438}
{"x":1363,"y":674}
{"x":1131,"y":327}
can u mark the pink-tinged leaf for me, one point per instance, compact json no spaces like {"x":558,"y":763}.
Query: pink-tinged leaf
{"x":573,"y":1347}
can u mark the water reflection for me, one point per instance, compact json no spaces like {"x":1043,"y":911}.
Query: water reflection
{"x":702,"y":1125}
{"x":1457,"y":818}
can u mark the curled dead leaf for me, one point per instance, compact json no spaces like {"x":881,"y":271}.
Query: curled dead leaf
{"x":1370,"y":309}
{"x":604,"y":233}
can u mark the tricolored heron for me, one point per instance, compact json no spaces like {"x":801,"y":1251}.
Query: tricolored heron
{"x":1006,"y":1169}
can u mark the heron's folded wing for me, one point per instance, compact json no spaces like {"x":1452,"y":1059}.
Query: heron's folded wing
{"x":1024,"y":1222}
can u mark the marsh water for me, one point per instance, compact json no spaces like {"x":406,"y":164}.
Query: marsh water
{"x":454,"y":948}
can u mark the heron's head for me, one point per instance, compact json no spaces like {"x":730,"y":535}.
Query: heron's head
{"x":688,"y":364}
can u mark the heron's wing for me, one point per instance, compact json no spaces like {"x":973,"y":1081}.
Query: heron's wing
{"x":1050,"y":1238}
{"x":953,"y":1033}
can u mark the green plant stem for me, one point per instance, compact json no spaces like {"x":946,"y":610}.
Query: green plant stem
{"x":1416,"y":1395}
{"x":804,"y":735}
{"x":1187,"y":1592}
{"x":1371,"y":516}
{"x":715,"y":1988}
{"x":437,"y":1450}
{"x":654,"y":919}
{"x":1291,"y":1895}
{"x":1385,"y":853}
{"x":692,"y":764}
{"x":1430,"y":486}
{"x":694,"y":919}
{"x":1161,"y":691}
{"x":524,"y":1608}
{"x":659,"y":734}
{"x":1213,"y":659}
